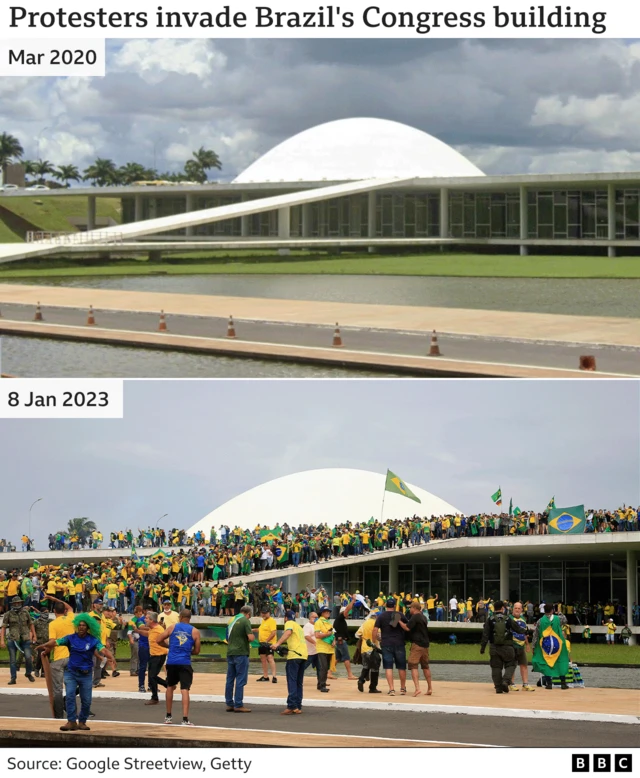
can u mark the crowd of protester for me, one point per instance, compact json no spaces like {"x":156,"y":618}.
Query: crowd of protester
{"x":245,"y":551}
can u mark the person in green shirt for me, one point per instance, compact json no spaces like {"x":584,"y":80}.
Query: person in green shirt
{"x":239,"y":636}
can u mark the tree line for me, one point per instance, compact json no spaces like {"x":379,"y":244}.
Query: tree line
{"x":104,"y":172}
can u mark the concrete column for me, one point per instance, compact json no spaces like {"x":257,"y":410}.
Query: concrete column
{"x":444,"y":213}
{"x":632,"y":589}
{"x":504,"y":576}
{"x":91,"y":212}
{"x":306,"y":220}
{"x":137,"y":211}
{"x":393,"y":575}
{"x":371,"y":215}
{"x":190,"y":201}
{"x":284,"y":223}
{"x":244,"y":221}
{"x":524,"y":222}
{"x":611,"y":218}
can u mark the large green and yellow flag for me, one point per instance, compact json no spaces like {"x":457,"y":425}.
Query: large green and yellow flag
{"x":497,"y":497}
{"x":566,"y":521}
{"x":269,"y":535}
{"x":395,"y":484}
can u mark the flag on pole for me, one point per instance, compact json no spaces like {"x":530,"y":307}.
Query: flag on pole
{"x":552,"y":504}
{"x":567,"y":521}
{"x":516,"y":511}
{"x":395,"y":484}
{"x":497,"y":497}
{"x":510,"y":506}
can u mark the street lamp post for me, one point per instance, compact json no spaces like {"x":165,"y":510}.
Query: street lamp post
{"x":30,"y":509}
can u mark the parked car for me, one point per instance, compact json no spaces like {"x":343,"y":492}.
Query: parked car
{"x":8,"y":188}
{"x":37,"y":188}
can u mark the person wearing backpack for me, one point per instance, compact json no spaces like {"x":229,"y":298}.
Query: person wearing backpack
{"x":498,"y":633}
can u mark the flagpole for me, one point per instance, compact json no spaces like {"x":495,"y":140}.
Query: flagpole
{"x":384,"y":491}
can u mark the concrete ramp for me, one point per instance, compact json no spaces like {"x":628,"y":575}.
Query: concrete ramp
{"x":10,"y":252}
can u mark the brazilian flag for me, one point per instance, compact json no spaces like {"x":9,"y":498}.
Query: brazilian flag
{"x":497,"y":497}
{"x":552,"y":504}
{"x":395,"y":484}
{"x":550,"y":654}
{"x":268,"y":535}
{"x":567,"y":521}
{"x":281,"y":554}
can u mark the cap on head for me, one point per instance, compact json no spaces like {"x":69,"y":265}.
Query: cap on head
{"x":97,"y":602}
{"x":290,"y":615}
{"x":390,"y":603}
{"x":325,"y":609}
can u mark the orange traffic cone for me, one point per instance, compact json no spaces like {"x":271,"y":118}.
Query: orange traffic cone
{"x":434,"y":350}
{"x":91,"y":319}
{"x":231,"y":330}
{"x":337,"y":338}
{"x":162,"y":327}
{"x":38,"y":316}
{"x":587,"y":363}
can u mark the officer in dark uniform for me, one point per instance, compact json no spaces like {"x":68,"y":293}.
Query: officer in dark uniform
{"x":17,"y":634}
{"x":498,"y":633}
{"x":41,"y":625}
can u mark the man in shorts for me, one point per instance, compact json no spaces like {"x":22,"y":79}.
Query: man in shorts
{"x":391,"y":637}
{"x":341,"y":631}
{"x":417,"y":629}
{"x":184,"y":641}
{"x":522,"y":648}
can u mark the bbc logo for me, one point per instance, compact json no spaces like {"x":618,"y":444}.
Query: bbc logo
{"x":581,"y":763}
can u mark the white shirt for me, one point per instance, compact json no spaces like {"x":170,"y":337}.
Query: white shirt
{"x":309,"y":632}
{"x":453,"y":604}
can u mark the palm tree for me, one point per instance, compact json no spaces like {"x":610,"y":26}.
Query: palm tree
{"x":134,"y":171}
{"x":101,"y":173}
{"x":66,"y":173}
{"x":29,"y":167}
{"x":42,"y":168}
{"x":204,"y":160}
{"x":194,"y":172}
{"x":82,"y":527}
{"x":10,"y":150}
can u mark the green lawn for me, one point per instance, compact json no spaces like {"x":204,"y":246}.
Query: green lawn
{"x":580,"y":653}
{"x":52,"y":213}
{"x":266,"y":263}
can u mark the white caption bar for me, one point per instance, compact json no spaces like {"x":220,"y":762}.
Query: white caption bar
{"x":346,"y":19}
{"x":61,"y":398}
{"x":52,"y":57}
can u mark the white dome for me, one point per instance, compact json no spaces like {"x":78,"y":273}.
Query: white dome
{"x":357,"y":149}
{"x":329,"y":496}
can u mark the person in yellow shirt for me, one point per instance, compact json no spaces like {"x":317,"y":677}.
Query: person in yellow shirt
{"x":370,"y":656}
{"x":297,"y":655}
{"x":462,"y":610}
{"x":469,"y":609}
{"x":168,"y":616}
{"x":13,"y":587}
{"x":380,"y":600}
{"x":267,"y":637}
{"x":431,"y":606}
{"x":157,"y":656}
{"x":61,"y":626}
{"x":611,"y":633}
{"x":325,"y":640}
{"x":111,"y":595}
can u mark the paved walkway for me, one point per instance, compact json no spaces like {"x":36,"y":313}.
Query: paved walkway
{"x":490,"y":324}
{"x":615,"y":705}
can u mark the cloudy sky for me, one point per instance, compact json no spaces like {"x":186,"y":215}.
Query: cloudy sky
{"x":512,"y":106}
{"x":185,"y":447}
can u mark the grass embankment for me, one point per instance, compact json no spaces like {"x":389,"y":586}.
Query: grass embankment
{"x":307,"y":263}
{"x":52,"y":214}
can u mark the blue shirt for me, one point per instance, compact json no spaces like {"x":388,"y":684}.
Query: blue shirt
{"x":180,"y":644}
{"x":200,"y":561}
{"x":81,"y":650}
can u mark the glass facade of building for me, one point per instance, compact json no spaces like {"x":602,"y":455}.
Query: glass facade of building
{"x":551,"y":214}
{"x":548,"y":581}
{"x":567,"y":214}
{"x":484,"y":215}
